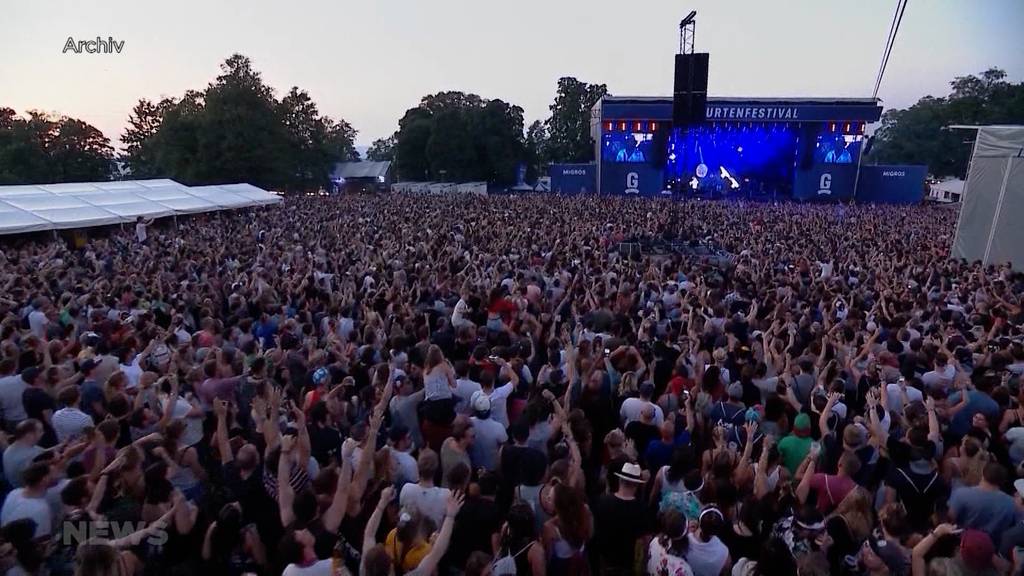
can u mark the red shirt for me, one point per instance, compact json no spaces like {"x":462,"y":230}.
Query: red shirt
{"x":831,"y":490}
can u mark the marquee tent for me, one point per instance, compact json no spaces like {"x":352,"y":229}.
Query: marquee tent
{"x":989,"y":227}
{"x":39,"y":207}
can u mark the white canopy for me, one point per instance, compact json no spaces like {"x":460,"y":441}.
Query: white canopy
{"x":33,"y":208}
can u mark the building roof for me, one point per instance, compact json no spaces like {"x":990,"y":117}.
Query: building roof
{"x":367,"y":169}
{"x":38,"y":207}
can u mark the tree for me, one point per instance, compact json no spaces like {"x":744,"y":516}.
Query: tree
{"x":235,"y":130}
{"x":383,"y":149}
{"x":459,"y":137}
{"x":568,"y":127}
{"x":536,"y":149}
{"x":42,"y":149}
{"x":414,"y":132}
{"x":916,"y":135}
{"x":143,"y":124}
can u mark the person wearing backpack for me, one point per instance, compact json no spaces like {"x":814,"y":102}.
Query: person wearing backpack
{"x":518,"y":552}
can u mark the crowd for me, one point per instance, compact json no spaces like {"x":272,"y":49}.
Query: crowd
{"x":488,"y":385}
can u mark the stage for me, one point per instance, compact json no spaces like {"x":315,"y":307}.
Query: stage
{"x":795,"y":148}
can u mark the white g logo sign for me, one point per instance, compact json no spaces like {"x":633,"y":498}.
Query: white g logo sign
{"x":632,"y":183}
{"x":825,"y":184}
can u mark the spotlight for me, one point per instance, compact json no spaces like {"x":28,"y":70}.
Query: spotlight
{"x":739,"y":148}
{"x":672,"y":157}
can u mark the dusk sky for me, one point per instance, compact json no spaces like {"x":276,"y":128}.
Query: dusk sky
{"x":370,"y":61}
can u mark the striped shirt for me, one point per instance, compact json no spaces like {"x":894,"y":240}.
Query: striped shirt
{"x":70,"y":422}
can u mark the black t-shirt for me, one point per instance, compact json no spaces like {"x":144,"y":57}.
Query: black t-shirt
{"x":918,"y":493}
{"x":37,"y":401}
{"x":325,"y":442}
{"x":618,"y":524}
{"x":641,"y":434}
{"x":478,"y":519}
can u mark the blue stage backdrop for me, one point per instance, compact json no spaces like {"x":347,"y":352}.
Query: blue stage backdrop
{"x":824,"y":183}
{"x":573,"y":178}
{"x":891,"y":184}
{"x":631,"y":179}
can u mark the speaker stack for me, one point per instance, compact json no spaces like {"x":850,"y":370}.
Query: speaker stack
{"x":691,"y":89}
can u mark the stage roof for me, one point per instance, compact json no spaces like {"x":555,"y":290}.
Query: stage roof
{"x":738,"y":109}
{"x":349,"y":170}
{"x":39,"y":207}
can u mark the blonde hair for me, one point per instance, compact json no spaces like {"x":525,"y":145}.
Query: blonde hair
{"x":855,"y":509}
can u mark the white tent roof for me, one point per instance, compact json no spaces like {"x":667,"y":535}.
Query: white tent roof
{"x":33,"y":208}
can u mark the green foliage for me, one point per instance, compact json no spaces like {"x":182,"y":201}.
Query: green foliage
{"x":43,"y":149}
{"x":568,"y":127}
{"x":457,"y":137}
{"x":916,"y":135}
{"x":237,"y":131}
{"x":382,"y":149}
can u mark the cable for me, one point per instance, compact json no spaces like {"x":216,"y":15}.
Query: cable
{"x":888,"y":41}
{"x":893,"y":31}
{"x":885,"y":64}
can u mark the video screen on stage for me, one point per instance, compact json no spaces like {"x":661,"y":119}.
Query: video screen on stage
{"x":627,"y":147}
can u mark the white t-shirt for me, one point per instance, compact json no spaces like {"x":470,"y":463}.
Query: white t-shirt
{"x":18,"y":506}
{"x":632,"y":407}
{"x":429,"y":502}
{"x":318,"y":568}
{"x":140,"y":232}
{"x":37,"y":322}
{"x":939,"y":378}
{"x":132,"y":371}
{"x":499,"y":402}
{"x":459,"y":314}
{"x":12,"y":387}
{"x":896,"y":400}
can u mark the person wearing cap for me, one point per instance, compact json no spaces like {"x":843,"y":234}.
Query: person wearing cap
{"x":633,"y":407}
{"x":975,"y":555}
{"x":621,"y":520}
{"x":794,"y":446}
{"x":490,"y":435}
{"x":93,"y":402}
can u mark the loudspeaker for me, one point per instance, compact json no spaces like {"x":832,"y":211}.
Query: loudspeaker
{"x":691,"y":89}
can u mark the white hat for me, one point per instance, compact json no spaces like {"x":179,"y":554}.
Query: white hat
{"x":481,"y":402}
{"x":631,"y":473}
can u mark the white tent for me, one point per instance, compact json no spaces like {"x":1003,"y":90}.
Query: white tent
{"x":34,"y":208}
{"x":989,"y":226}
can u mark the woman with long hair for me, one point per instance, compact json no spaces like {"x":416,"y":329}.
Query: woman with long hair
{"x":849,"y":526}
{"x":707,"y":554}
{"x":517,"y":543}
{"x":966,"y":467}
{"x":232,"y":548}
{"x":566,"y":535}
{"x":186,"y":473}
{"x":666,"y":554}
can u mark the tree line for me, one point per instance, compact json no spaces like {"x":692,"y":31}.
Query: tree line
{"x":917,"y":135}
{"x":237,"y":130}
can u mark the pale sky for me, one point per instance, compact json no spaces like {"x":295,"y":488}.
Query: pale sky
{"x":370,"y":61}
